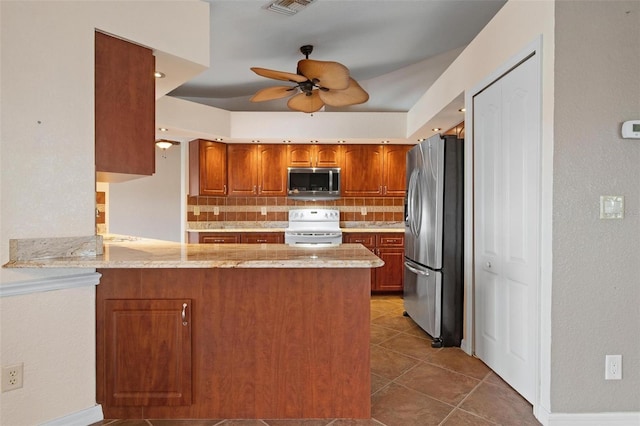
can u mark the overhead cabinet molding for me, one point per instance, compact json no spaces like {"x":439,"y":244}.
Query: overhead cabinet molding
{"x":124,"y":109}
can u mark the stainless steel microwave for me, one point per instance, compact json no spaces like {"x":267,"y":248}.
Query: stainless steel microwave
{"x":313,"y":183}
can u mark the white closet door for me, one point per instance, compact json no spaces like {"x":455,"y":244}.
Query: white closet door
{"x":506,"y":134}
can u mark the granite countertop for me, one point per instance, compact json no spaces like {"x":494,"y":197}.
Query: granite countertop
{"x":132,"y":252}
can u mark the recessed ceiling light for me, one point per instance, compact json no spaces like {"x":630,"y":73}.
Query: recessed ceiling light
{"x":436,"y":129}
{"x":286,"y":141}
{"x":163,"y":129}
{"x":255,"y":141}
{"x":385,"y":141}
{"x":219,"y":139}
{"x":462,"y":110}
{"x":158,"y":74}
{"x":313,"y":141}
{"x":341,"y":141}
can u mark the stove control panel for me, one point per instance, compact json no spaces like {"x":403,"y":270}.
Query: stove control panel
{"x":310,"y":215}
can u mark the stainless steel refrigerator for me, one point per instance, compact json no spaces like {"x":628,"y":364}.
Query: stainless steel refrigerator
{"x":433,"y":272}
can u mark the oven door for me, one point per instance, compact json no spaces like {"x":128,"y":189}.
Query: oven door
{"x":312,"y":238}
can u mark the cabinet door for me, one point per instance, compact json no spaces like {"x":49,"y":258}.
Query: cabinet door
{"x":395,"y":166}
{"x":124,"y":108}
{"x":148,"y":352}
{"x":207,"y":168}
{"x":328,"y":155}
{"x":221,"y":238}
{"x":389,"y":276}
{"x":272,"y":170}
{"x":363,"y":166}
{"x":264,"y":237}
{"x":242,"y":169}
{"x":299,"y":155}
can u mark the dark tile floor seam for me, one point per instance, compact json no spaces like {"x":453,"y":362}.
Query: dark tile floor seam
{"x":467,"y":396}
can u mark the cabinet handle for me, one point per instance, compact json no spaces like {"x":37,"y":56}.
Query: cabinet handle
{"x":380,"y":189}
{"x":254,"y":189}
{"x":385,"y":190}
{"x":224,"y":189}
{"x":184,"y":314}
{"x":259,"y":189}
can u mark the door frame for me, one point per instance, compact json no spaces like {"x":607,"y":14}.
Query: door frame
{"x":543,"y":312}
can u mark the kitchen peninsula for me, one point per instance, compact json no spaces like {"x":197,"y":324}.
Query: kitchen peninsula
{"x":228,"y":330}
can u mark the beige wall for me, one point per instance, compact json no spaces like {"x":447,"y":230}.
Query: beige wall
{"x":596,"y":263}
{"x":47,"y":179}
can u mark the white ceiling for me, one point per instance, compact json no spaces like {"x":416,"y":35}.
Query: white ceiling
{"x":395,"y":49}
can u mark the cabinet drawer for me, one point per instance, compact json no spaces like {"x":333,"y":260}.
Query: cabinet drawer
{"x":367,"y":240}
{"x":219,"y":238}
{"x":390,"y":240}
{"x":257,"y":238}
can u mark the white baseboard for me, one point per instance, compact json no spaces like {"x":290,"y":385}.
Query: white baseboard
{"x":80,"y":418}
{"x":49,"y":284}
{"x":589,"y":419}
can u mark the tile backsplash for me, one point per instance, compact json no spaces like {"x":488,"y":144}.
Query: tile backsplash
{"x":215,"y":212}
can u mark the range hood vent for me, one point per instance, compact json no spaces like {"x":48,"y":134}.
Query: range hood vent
{"x":288,"y":7}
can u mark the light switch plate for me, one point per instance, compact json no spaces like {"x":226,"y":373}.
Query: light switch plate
{"x":611,"y":207}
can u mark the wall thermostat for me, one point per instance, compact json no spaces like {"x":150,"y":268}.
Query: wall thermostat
{"x":631,"y":129}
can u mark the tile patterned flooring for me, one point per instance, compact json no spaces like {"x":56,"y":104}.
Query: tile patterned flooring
{"x":412,"y":384}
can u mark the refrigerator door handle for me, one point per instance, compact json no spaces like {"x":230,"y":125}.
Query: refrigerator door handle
{"x":415,"y":270}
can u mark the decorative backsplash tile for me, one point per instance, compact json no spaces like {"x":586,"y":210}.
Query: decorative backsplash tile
{"x":208,"y":212}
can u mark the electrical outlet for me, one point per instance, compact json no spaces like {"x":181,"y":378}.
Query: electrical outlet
{"x":613,"y":367}
{"x":216,"y":211}
{"x":12,"y":377}
{"x":263,"y":211}
{"x":363,"y":211}
{"x":196,"y":210}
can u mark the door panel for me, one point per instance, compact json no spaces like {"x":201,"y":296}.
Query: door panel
{"x":507,"y":216}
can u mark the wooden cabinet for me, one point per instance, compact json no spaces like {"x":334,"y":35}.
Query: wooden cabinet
{"x":237,"y":237}
{"x":362,"y":172}
{"x":314,"y":155}
{"x":262,"y":237}
{"x":207,"y":168}
{"x":221,"y":238}
{"x":147,"y":351}
{"x":265,"y":343}
{"x":374,"y":170}
{"x":394,"y":178}
{"x":257,"y":170}
{"x":124,"y":109}
{"x":390,"y":248}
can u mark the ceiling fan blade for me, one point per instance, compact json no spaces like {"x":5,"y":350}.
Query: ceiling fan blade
{"x":304,"y":103}
{"x":331,"y":75}
{"x":275,"y":92}
{"x":352,"y":95}
{"x":279,"y":75}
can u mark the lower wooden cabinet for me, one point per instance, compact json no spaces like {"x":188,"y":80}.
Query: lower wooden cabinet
{"x":143,"y":333}
{"x":390,"y":248}
{"x":237,"y":237}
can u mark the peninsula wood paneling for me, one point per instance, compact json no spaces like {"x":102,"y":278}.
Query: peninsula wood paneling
{"x":267,"y":343}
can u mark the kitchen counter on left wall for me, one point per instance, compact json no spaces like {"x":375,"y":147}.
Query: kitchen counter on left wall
{"x":132,"y":252}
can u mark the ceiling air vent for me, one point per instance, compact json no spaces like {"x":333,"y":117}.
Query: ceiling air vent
{"x":288,"y":7}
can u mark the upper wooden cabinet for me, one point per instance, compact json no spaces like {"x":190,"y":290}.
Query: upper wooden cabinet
{"x":124,"y":109}
{"x":362,"y":174}
{"x":257,"y":170}
{"x":207,"y":168}
{"x":394,"y":179}
{"x":314,"y":155}
{"x":374,"y":170}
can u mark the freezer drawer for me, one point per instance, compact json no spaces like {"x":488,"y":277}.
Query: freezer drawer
{"x":423,"y":299}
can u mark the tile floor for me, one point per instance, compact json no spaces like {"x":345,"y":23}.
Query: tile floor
{"x":411,"y":384}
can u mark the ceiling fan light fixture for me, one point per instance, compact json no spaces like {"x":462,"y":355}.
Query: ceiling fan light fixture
{"x":288,"y":7}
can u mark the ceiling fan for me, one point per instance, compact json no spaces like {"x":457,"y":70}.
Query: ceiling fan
{"x":316,"y":83}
